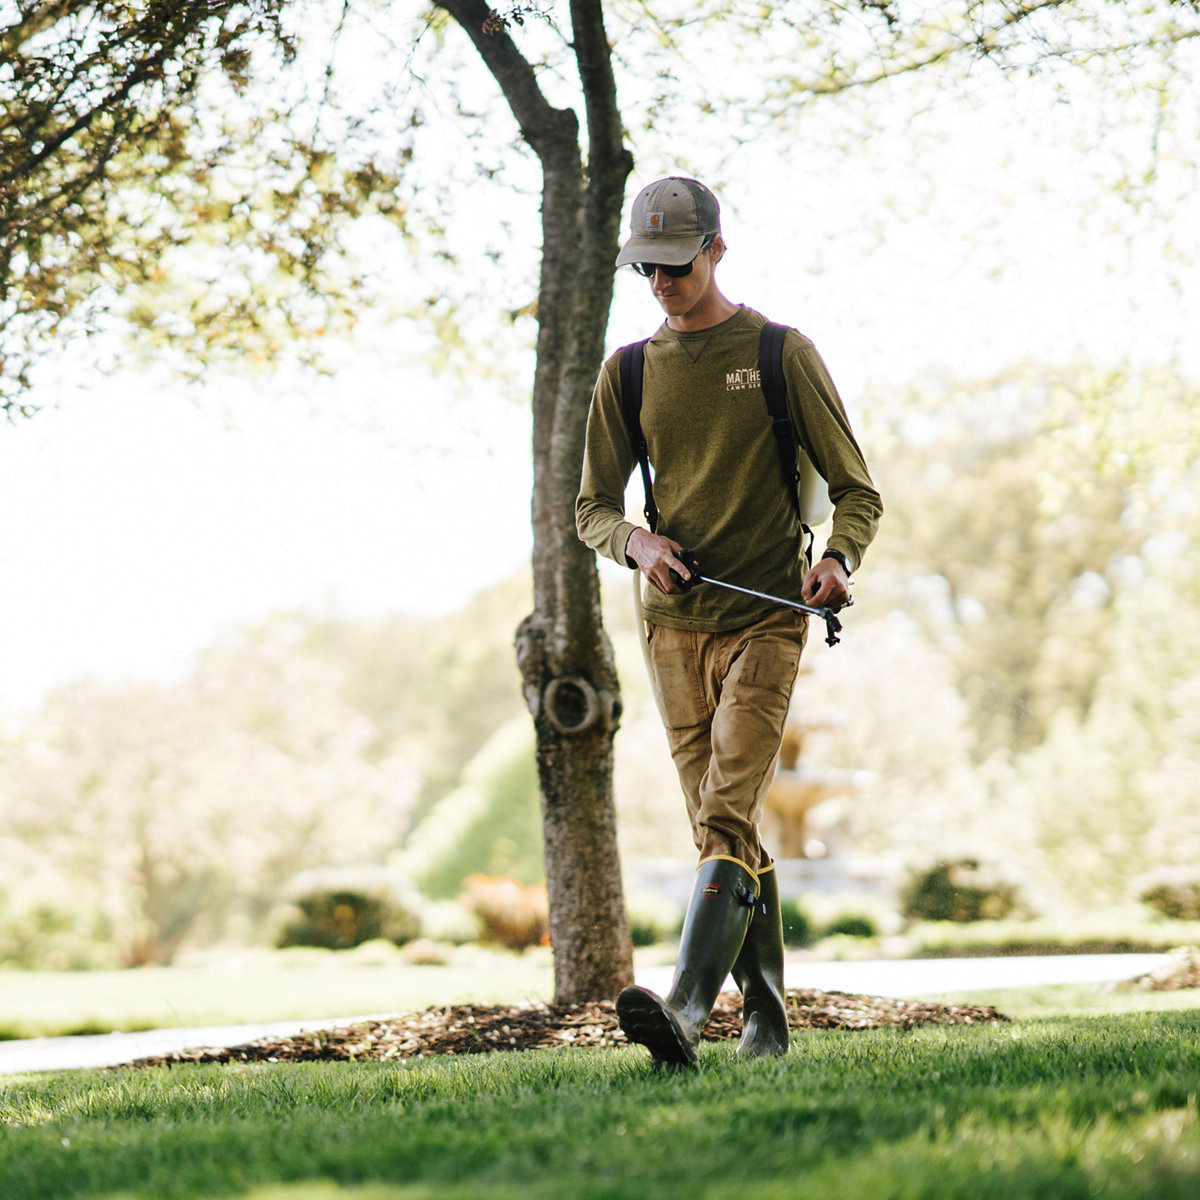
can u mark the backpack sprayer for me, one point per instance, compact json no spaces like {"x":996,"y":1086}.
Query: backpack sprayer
{"x":832,"y":625}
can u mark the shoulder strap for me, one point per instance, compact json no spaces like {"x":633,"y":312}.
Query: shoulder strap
{"x":633,"y":359}
{"x":774,"y":386}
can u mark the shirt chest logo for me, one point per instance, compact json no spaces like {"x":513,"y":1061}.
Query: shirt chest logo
{"x":739,"y":381}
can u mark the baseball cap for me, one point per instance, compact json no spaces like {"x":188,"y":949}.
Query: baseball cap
{"x":671,"y":218}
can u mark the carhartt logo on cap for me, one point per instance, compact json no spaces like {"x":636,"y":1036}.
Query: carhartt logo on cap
{"x":670,"y":220}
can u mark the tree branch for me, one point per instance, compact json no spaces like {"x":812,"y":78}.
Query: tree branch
{"x":542,"y":126}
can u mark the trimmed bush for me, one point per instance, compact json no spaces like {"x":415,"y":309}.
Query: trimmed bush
{"x":1173,"y":891}
{"x":960,"y":890}
{"x":797,"y":928}
{"x":47,"y":933}
{"x":652,"y":919}
{"x":852,"y":926}
{"x":509,"y":912}
{"x":342,"y":908}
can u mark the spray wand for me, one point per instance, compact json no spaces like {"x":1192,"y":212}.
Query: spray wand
{"x":832,"y":625}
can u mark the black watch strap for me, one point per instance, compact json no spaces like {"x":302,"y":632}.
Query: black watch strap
{"x":839,"y":557}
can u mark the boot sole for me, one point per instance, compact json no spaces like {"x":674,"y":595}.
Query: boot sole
{"x":645,"y":1019}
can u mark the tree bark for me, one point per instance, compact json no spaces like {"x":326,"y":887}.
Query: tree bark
{"x":567,"y":669}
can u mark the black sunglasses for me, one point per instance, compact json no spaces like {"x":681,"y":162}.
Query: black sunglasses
{"x":646,"y":270}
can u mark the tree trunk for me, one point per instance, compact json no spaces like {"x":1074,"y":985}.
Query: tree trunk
{"x":567,"y":669}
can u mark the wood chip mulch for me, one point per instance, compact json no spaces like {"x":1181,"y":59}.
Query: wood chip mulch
{"x":475,"y":1029}
{"x":1181,"y":970}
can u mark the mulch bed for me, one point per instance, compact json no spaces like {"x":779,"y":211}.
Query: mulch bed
{"x":475,"y":1029}
{"x":1182,"y":970}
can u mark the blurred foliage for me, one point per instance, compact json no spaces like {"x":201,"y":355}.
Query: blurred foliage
{"x":510,"y":913}
{"x":220,"y":176}
{"x":490,"y":823}
{"x":166,"y":817}
{"x":178,"y":814}
{"x":55,"y":932}
{"x":1112,"y":931}
{"x":1173,"y":891}
{"x":1020,"y":683}
{"x":435,"y":691}
{"x":340,"y":909}
{"x":1020,"y":505}
{"x":798,"y":930}
{"x":957,"y":891}
{"x":652,"y":918}
{"x":851,"y":926}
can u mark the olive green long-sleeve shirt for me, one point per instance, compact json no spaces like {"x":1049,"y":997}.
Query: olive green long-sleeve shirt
{"x":717,"y":482}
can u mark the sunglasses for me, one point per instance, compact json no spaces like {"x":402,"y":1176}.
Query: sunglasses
{"x":646,"y":270}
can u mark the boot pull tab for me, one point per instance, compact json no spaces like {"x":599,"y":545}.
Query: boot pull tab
{"x":748,"y":898}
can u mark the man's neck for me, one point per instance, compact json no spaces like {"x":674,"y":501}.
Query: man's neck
{"x":713,"y":311}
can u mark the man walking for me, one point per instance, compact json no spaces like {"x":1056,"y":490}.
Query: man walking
{"x":723,"y":664}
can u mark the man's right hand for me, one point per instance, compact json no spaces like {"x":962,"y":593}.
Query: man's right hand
{"x":656,"y":557}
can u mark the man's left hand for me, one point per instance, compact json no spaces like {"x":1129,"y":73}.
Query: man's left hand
{"x":826,"y":585}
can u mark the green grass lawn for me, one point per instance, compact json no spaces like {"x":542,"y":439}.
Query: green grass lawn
{"x":254,"y":990}
{"x":1061,"y":1108}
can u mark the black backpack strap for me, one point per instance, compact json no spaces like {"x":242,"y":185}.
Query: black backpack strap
{"x":774,"y":387}
{"x":632,"y":364}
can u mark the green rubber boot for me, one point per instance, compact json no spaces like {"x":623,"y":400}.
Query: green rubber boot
{"x":713,"y":932}
{"x":759,"y":973}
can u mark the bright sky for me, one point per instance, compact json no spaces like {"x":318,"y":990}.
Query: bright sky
{"x":139,"y":526}
{"x":139,"y":522}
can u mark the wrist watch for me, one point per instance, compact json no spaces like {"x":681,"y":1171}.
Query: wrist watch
{"x":838,"y":556}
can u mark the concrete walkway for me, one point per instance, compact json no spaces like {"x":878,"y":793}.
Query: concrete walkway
{"x":899,"y":978}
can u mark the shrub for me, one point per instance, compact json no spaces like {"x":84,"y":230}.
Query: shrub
{"x":852,"y":926}
{"x":1099,"y":932}
{"x":341,"y":908}
{"x":959,"y":890}
{"x":48,"y":933}
{"x":797,"y":928}
{"x":1173,"y":891}
{"x":510,"y":913}
{"x":448,"y":921}
{"x":652,"y":919}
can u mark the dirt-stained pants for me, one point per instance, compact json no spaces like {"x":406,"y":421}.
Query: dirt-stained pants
{"x":724,"y":700}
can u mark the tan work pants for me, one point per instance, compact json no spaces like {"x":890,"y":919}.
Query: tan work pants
{"x":724,"y":700}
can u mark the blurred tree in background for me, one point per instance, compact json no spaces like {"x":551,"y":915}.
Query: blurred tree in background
{"x":166,"y":815}
{"x":1040,"y":585}
{"x":143,"y":819}
{"x":1027,"y":501}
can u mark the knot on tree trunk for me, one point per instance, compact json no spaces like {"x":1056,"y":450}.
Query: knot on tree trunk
{"x":571,"y":705}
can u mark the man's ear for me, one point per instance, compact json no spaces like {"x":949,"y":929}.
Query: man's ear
{"x":717,"y":249}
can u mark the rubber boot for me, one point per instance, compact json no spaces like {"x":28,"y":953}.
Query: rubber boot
{"x":713,"y":932}
{"x":759,"y":973}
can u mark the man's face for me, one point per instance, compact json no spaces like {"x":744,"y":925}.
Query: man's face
{"x":679,"y":297}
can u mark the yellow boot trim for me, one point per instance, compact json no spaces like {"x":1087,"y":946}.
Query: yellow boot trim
{"x":729,"y":858}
